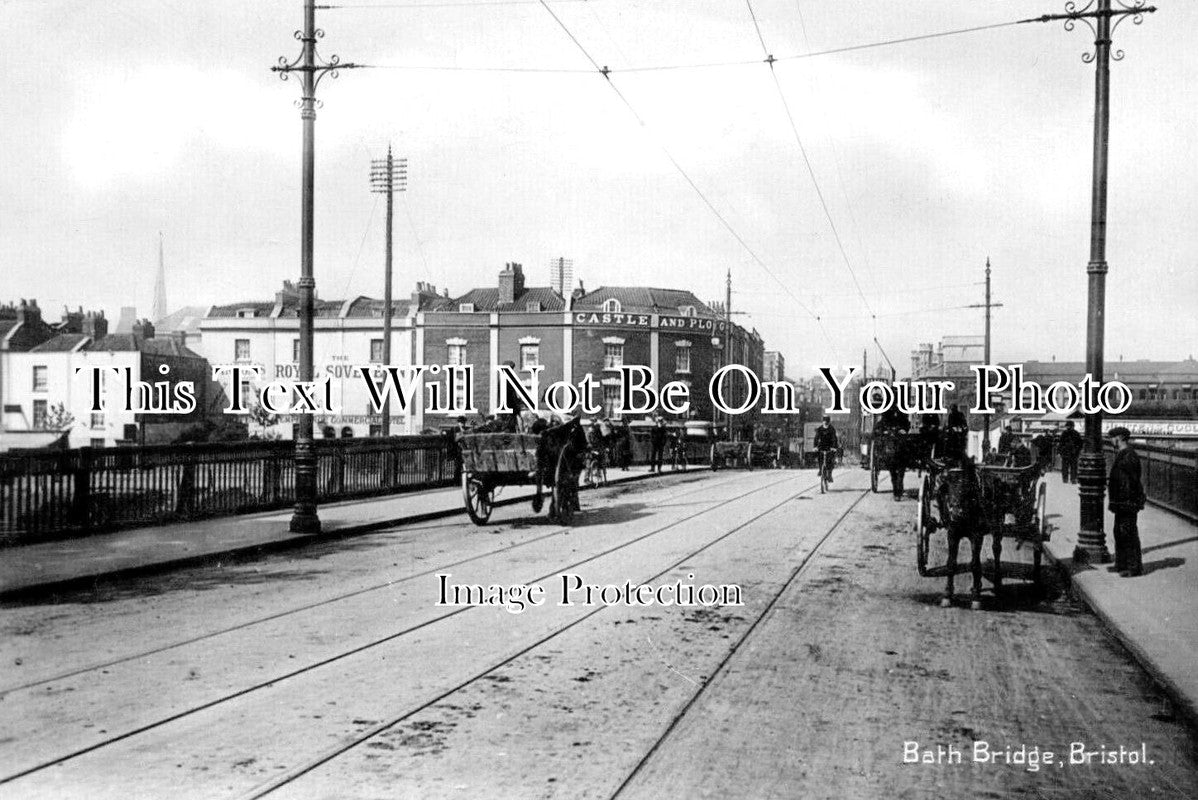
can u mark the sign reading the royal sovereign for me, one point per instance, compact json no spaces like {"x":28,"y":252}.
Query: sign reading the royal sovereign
{"x":621,"y":320}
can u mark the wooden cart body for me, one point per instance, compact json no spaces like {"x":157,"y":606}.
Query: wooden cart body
{"x":549,"y":460}
{"x":1013,"y":505}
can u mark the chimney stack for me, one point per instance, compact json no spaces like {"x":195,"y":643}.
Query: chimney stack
{"x":143,"y":329}
{"x":511,"y":283}
{"x":94,"y":325}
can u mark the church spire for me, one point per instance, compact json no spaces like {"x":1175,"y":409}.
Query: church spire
{"x":160,"y":309}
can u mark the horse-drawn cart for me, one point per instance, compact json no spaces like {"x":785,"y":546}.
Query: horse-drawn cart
{"x":897,"y":448}
{"x":971,"y":502}
{"x":550,"y":460}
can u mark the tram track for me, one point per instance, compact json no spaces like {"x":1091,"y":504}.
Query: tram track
{"x":376,"y":730}
{"x":5,"y":691}
{"x":722,"y":666}
{"x":273,"y":682}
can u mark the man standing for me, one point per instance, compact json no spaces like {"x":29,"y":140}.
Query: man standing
{"x":1070,"y":447}
{"x":657,"y":443}
{"x":1126,"y":499}
{"x":895,"y":424}
{"x":1005,"y":441}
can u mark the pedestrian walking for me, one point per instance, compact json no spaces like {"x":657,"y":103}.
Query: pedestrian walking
{"x":896,"y":423}
{"x":1070,"y":447}
{"x":1126,"y":494}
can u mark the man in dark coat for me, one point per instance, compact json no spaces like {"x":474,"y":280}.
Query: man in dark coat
{"x":894,"y":424}
{"x":1070,"y":447}
{"x":1126,"y":495}
{"x":826,"y":440}
{"x":1005,"y":440}
{"x":657,"y":444}
{"x":956,"y":435}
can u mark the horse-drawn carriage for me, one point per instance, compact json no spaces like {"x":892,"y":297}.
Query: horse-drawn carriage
{"x":745,"y":455}
{"x":972,"y":502}
{"x":550,"y":460}
{"x":890,"y":449}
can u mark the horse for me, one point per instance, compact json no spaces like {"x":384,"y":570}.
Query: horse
{"x":959,"y":497}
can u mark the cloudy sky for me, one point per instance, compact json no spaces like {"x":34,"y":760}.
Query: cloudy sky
{"x":128,"y":118}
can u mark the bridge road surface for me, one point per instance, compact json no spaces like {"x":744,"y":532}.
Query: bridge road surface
{"x":331,"y":672}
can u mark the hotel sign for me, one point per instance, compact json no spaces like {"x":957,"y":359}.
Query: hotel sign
{"x":705,"y":325}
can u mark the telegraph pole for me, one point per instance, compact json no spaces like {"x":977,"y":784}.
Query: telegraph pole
{"x":728,"y":331}
{"x":388,"y":176}
{"x":305,"y":519}
{"x":1091,"y":539}
{"x":986,"y":347}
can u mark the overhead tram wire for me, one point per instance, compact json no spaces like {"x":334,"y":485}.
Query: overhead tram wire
{"x":606,"y":73}
{"x":692,"y":65}
{"x":769,"y":60}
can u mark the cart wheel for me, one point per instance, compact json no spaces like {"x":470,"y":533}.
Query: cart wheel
{"x":714,"y":464}
{"x":565,"y":489}
{"x":477,"y":497}
{"x":923,"y":525}
{"x":873,"y":471}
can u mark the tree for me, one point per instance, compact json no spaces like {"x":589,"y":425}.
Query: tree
{"x":58,"y":418}
{"x":264,"y":420}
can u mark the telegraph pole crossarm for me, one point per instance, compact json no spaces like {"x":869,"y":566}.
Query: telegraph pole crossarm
{"x":311,"y":69}
{"x":1091,"y":473}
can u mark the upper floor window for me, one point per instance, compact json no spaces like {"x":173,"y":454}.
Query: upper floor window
{"x":687,"y":311}
{"x":530,"y":356}
{"x":611,"y":400}
{"x":533,"y":306}
{"x":97,"y":419}
{"x":241,"y":350}
{"x":295,"y":350}
{"x":40,"y":379}
{"x":682,"y":356}
{"x":613,"y":355}
{"x":376,"y":351}
{"x":611,"y":306}
{"x":455,"y":353}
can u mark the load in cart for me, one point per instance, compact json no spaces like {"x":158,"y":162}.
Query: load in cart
{"x":550,"y":460}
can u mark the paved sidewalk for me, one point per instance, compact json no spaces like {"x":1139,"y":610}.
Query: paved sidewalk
{"x":1156,"y":615}
{"x":40,"y":568}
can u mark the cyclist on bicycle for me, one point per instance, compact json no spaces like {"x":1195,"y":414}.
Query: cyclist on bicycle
{"x":826,"y":441}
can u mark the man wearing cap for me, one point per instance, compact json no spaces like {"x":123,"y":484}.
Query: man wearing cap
{"x":826,"y":441}
{"x":1126,"y":495}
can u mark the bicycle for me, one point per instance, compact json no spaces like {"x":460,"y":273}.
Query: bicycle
{"x":826,"y":460}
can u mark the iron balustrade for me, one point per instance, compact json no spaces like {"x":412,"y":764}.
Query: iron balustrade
{"x":1169,"y":475}
{"x":52,"y":495}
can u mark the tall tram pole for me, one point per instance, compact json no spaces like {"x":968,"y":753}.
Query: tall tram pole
{"x":388,"y":176}
{"x":1091,"y":539}
{"x":311,"y":70}
{"x":986,"y":346}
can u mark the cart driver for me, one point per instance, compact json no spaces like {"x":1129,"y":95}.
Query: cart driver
{"x":826,"y":440}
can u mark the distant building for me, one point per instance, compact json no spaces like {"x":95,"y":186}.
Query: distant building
{"x":346,"y":333}
{"x":46,"y":396}
{"x":774,"y":366}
